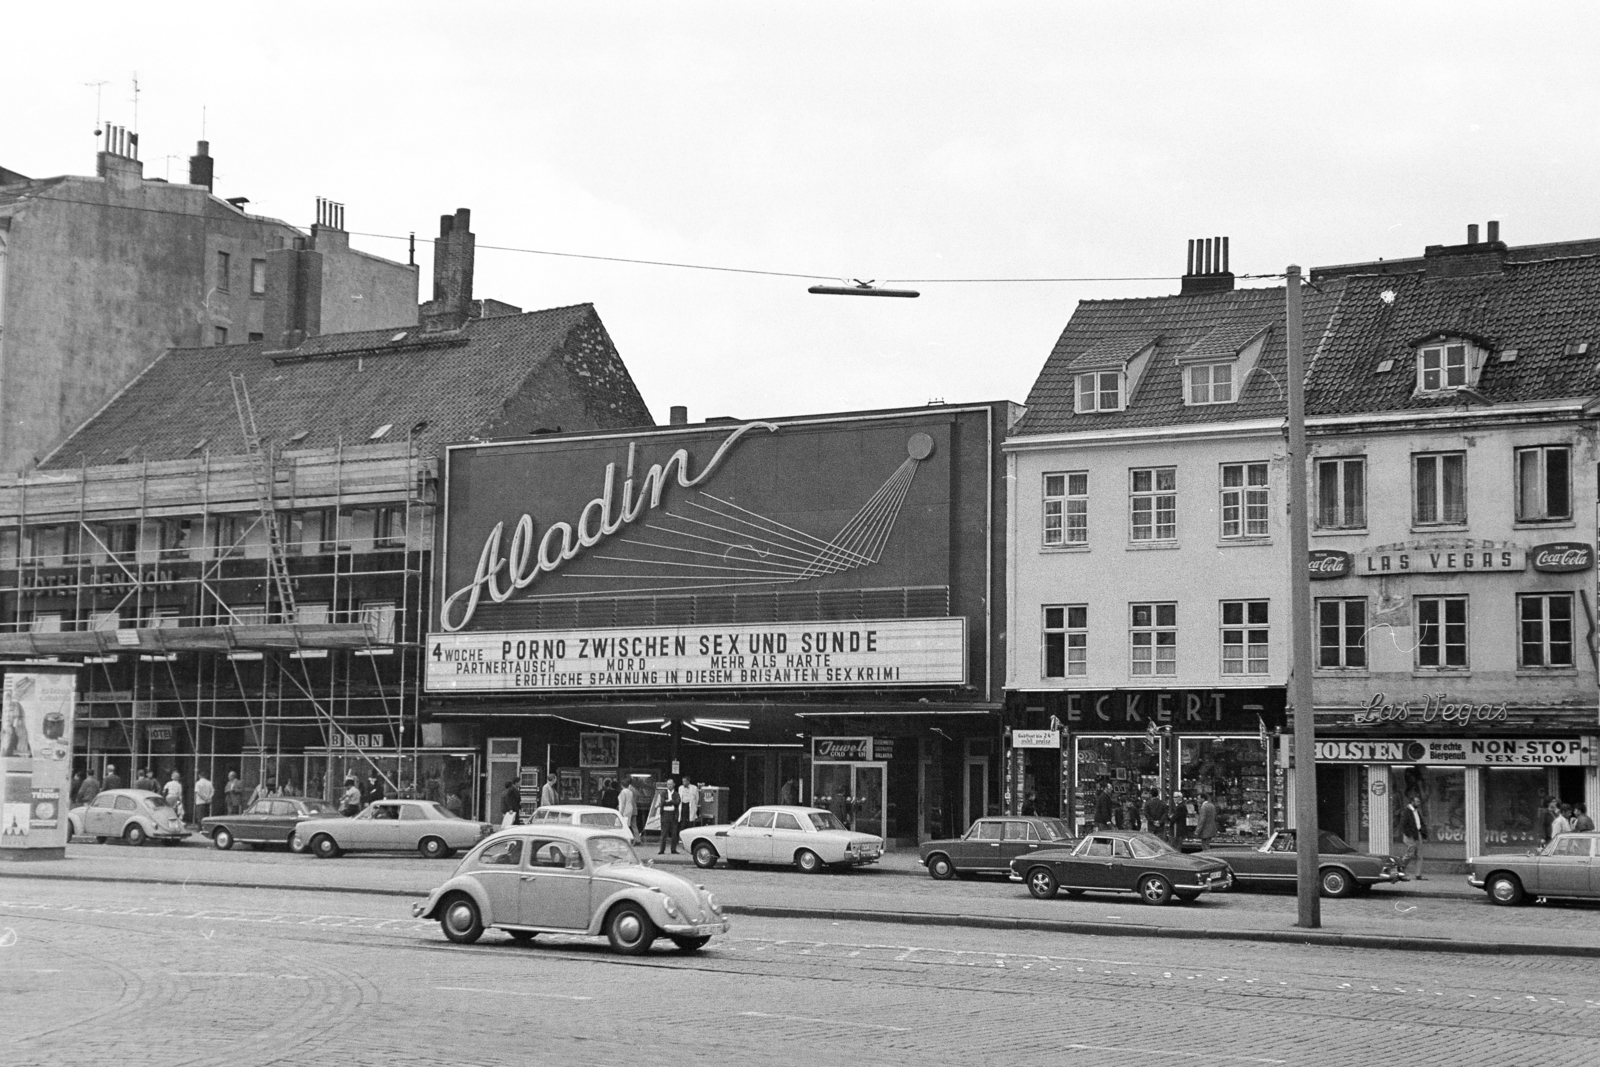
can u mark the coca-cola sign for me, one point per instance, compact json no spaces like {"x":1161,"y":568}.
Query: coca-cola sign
{"x":1326,"y":563}
{"x":1558,"y":557}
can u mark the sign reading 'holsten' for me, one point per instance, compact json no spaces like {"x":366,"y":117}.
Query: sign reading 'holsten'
{"x":875,"y":653}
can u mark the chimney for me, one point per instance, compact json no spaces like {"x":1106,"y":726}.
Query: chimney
{"x":679,"y":415}
{"x":200,"y":165}
{"x":118,"y":161}
{"x":1472,"y":233}
{"x":328,"y":233}
{"x":1494,"y":231}
{"x":1474,"y":257}
{"x":293,"y":309}
{"x":1207,"y":270}
{"x":451,"y":305}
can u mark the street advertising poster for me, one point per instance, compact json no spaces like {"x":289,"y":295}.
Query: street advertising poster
{"x":36,"y":711}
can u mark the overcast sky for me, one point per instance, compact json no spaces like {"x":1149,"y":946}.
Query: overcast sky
{"x":860,"y":140}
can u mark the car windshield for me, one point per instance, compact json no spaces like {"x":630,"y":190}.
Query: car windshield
{"x":825,"y":820}
{"x":1054,"y":830}
{"x":604,"y":850}
{"x":1148,"y":846}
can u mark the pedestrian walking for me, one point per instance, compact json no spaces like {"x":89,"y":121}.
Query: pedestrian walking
{"x":1562,"y":823}
{"x":1206,"y":824}
{"x":350,"y":801}
{"x":88,"y":790}
{"x":1413,"y":831}
{"x":232,"y":794}
{"x":1104,"y":806}
{"x":204,"y":793}
{"x":669,"y":818}
{"x":1547,"y":816}
{"x":547,"y":793}
{"x":626,"y":805}
{"x":510,"y":803}
{"x":1581,"y":823}
{"x":113,"y":780}
{"x":173,"y":792}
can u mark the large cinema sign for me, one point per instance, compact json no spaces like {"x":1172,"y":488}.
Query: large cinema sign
{"x":855,"y":652}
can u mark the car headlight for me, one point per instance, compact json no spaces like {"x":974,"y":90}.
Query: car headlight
{"x":671,"y":906}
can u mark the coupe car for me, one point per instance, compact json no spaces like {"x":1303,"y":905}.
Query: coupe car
{"x":391,"y":826}
{"x":1341,"y":869}
{"x":809,"y":838}
{"x":989,"y":846}
{"x":1567,"y":867}
{"x":134,"y":815}
{"x":1118,"y":861}
{"x":269,"y":821}
{"x":564,"y":879}
{"x":579,"y":815}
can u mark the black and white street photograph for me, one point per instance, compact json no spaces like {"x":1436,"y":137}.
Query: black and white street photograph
{"x":912,"y":532}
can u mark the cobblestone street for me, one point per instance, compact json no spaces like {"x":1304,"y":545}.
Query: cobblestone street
{"x":111,"y":973}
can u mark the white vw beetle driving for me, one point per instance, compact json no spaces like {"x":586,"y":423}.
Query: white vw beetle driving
{"x":809,"y":838}
{"x":564,"y":879}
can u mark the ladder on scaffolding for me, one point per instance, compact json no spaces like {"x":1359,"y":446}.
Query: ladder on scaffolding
{"x":265,"y":476}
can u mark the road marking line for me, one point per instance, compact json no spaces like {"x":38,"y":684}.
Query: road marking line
{"x":1169,"y":1052}
{"x":823,"y":1022}
{"x":506,"y":992}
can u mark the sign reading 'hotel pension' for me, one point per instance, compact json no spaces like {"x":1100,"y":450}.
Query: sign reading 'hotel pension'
{"x":875,"y":653}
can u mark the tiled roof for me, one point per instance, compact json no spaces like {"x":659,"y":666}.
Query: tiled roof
{"x":1537,"y":308}
{"x":1181,"y":323}
{"x":512,"y":374}
{"x":1112,"y":351}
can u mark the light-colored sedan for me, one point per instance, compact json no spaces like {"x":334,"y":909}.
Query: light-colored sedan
{"x":809,"y":838}
{"x":559,"y":878}
{"x":391,"y":826}
{"x":579,"y":815}
{"x":134,"y":815}
{"x":1569,"y":866}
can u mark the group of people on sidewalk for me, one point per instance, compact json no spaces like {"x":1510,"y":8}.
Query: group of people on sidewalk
{"x":1183,"y":818}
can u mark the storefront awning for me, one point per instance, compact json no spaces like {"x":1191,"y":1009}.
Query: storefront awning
{"x":275,"y":636}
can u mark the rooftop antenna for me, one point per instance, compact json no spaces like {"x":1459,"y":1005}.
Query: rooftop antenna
{"x":99,"y":88}
{"x":135,"y":101}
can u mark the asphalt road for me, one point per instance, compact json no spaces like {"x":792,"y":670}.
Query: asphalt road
{"x":98,"y":973}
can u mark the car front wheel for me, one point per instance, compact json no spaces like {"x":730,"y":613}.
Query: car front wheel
{"x":808,"y":861}
{"x":134,"y":834}
{"x":630,"y":930}
{"x":1505,"y":889}
{"x":324,"y":847}
{"x":704,"y":855}
{"x":940,"y":867}
{"x":460,"y":920}
{"x":1337,"y":883}
{"x":1154,"y":889}
{"x":222,"y":839}
{"x":1042,"y":884}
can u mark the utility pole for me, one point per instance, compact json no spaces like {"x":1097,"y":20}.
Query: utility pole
{"x":1307,"y":837}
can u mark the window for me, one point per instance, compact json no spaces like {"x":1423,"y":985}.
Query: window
{"x":1153,"y":500}
{"x":105,"y":620}
{"x":506,"y":853}
{"x":1442,"y":367}
{"x":1442,"y":632}
{"x":761,"y":819}
{"x":253,"y":336}
{"x":1153,"y":633}
{"x":991,"y":830}
{"x":1209,"y":383}
{"x":175,"y":535}
{"x":1342,"y":634}
{"x":244,"y":615}
{"x":10,"y":548}
{"x":311,"y":614}
{"x":258,"y":277}
{"x":225,"y":536}
{"x":1020,"y":831}
{"x":1342,"y":493}
{"x":305,"y":532}
{"x":1100,"y":391}
{"x":223,"y":259}
{"x":378,"y":617}
{"x":1244,"y":500}
{"x":1546,"y":629}
{"x":784,"y":821}
{"x":45,"y":623}
{"x":162,"y":619}
{"x":1066,"y":640}
{"x":1544,"y":483}
{"x":219,"y":335}
{"x":1066,"y":508}
{"x":1439,"y":489}
{"x":1244,"y":637}
{"x":389,"y":528}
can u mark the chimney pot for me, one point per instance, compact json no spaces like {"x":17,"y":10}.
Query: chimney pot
{"x":680,"y":415}
{"x":1472,"y":233}
{"x":445,"y":222}
{"x":1494,"y":231}
{"x":453,"y":252}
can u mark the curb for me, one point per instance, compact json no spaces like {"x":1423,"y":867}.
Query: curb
{"x":976,"y":922}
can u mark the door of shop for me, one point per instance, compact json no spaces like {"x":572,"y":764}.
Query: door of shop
{"x":505,"y":767}
{"x":858,"y":793}
{"x":975,"y":800}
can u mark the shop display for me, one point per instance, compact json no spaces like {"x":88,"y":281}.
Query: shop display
{"x":1233,"y":770}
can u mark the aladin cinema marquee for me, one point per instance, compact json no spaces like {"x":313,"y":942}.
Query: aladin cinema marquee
{"x":560,"y":559}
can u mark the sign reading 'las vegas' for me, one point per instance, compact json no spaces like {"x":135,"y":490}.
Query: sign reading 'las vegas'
{"x":856,"y":652}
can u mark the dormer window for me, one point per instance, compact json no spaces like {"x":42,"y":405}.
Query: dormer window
{"x":1445,"y":364}
{"x":1100,"y":391}
{"x":1209,"y":383}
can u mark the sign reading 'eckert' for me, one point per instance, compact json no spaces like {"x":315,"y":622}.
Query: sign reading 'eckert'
{"x":855,"y":652}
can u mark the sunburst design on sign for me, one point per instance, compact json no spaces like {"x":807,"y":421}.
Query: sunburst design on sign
{"x":716,"y":544}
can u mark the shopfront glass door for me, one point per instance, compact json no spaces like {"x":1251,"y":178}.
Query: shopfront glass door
{"x":1443,"y":793}
{"x":869,"y":787}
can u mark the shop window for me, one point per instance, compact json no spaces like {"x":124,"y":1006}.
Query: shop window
{"x":1099,"y":391}
{"x":1153,"y":503}
{"x":1066,"y":508}
{"x":1544,"y":484}
{"x":1233,"y":772}
{"x":1342,"y":493}
{"x":1244,"y":504}
{"x":1512,"y":797}
{"x":1342,"y":634}
{"x":1244,"y":636}
{"x":1153,"y":634}
{"x":1441,"y":632}
{"x":1439,"y":489}
{"x":1545,"y":629}
{"x":1066,"y":641}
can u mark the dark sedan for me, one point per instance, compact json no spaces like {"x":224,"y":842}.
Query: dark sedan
{"x":269,"y":821}
{"x":1121,"y":862}
{"x":990,"y":845}
{"x":1341,"y":869}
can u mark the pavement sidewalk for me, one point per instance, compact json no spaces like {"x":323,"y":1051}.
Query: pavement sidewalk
{"x":1428,"y":918}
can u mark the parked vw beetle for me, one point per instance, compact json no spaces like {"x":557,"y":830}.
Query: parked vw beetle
{"x":134,"y":815}
{"x":565,"y":879}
